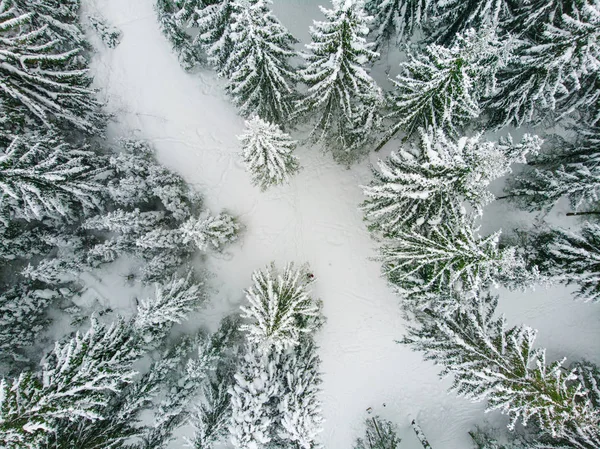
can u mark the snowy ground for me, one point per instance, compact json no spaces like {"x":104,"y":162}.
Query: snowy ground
{"x":315,"y":220}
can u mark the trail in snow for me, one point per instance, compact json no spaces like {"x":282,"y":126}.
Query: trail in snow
{"x":313,"y":219}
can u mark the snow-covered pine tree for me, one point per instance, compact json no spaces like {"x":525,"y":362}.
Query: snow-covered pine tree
{"x":210,"y":231}
{"x":268,"y":153}
{"x":43,"y":177}
{"x":450,"y":18}
{"x":500,"y":365}
{"x":396,"y":20}
{"x":380,"y":434}
{"x":73,"y":383}
{"x":441,"y":86}
{"x":22,"y":318}
{"x":187,"y":50}
{"x":555,"y":75}
{"x":569,"y":169}
{"x":531,"y":17}
{"x":280,"y":309}
{"x":252,"y":399}
{"x":172,"y":303}
{"x":260,"y":79}
{"x":214,"y":23}
{"x":417,"y":191}
{"x":451,"y":256}
{"x":341,"y":93}
{"x":300,"y":408}
{"x":570,"y":257}
{"x":108,"y":33}
{"x":40,"y":80}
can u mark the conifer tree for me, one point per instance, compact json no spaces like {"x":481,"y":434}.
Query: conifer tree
{"x":43,"y":177}
{"x":214,"y":24}
{"x":417,"y":191}
{"x":492,"y":362}
{"x":452,"y":17}
{"x":300,"y":408}
{"x":210,"y":231}
{"x":554,"y":75}
{"x":280,"y":309}
{"x":109,"y":34}
{"x":397,"y":20}
{"x":260,"y":80}
{"x":380,"y":434}
{"x":267,"y":153}
{"x":571,"y":258}
{"x":182,"y":43}
{"x":442,"y":86}
{"x":341,"y":94}
{"x":451,"y":256}
{"x":41,"y":80}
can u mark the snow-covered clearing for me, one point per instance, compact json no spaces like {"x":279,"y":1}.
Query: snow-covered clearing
{"x":314,"y":219}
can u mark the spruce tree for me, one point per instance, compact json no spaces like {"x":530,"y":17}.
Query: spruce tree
{"x":260,"y":79}
{"x":214,"y":24}
{"x":109,"y":34}
{"x":268,"y":153}
{"x":417,"y":191}
{"x":380,"y":434}
{"x":341,"y":94}
{"x":280,"y":309}
{"x":210,"y":231}
{"x":492,"y":362}
{"x":556,"y":74}
{"x":40,"y":80}
{"x":570,"y":257}
{"x":441,"y":86}
{"x":43,"y":177}
{"x":396,"y":20}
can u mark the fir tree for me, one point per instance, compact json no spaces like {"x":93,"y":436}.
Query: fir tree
{"x":260,"y":79}
{"x":451,"y":255}
{"x":441,"y":86}
{"x":267,"y":153}
{"x":492,"y":362}
{"x":39,"y":79}
{"x":280,"y":309}
{"x":452,"y":17}
{"x":571,"y":258}
{"x":417,"y":191}
{"x":300,"y":407}
{"x":340,"y":91}
{"x":210,"y":231}
{"x":555,"y":75}
{"x":214,"y":24}
{"x":109,"y":34}
{"x":43,"y":177}
{"x":256,"y":386}
{"x":397,"y":20}
{"x":380,"y":434}
{"x":182,"y":43}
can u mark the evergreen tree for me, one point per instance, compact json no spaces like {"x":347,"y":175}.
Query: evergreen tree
{"x":39,"y":79}
{"x":214,"y":24}
{"x":570,"y":169}
{"x":260,"y":79}
{"x":182,"y":43}
{"x":300,"y":407}
{"x":380,"y":434}
{"x":571,"y":258}
{"x":43,"y":177}
{"x":109,"y":34}
{"x":252,"y":396}
{"x":397,"y":20}
{"x":412,"y":192}
{"x":341,"y":94}
{"x":531,"y":17}
{"x":267,"y":153}
{"x":441,"y":86}
{"x":451,"y":255}
{"x":556,"y":74}
{"x":280,"y":309}
{"x":210,"y":231}
{"x":450,"y":18}
{"x":72,"y":384}
{"x":492,"y":362}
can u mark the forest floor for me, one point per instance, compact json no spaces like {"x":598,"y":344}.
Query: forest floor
{"x":314,"y":219}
